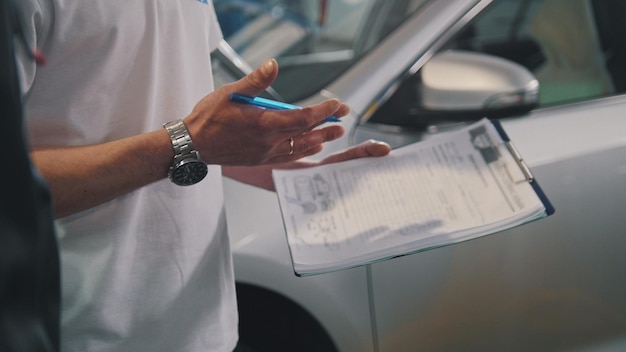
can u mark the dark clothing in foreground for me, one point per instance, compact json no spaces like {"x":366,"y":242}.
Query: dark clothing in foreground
{"x":29,"y":261}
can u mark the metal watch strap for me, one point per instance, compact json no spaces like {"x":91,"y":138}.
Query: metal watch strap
{"x":181,"y":140}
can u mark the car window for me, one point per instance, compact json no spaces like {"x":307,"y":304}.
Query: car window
{"x":573,"y":47}
{"x":314,"y":41}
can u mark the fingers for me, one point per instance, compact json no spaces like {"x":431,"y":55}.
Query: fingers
{"x":366,"y":149}
{"x":328,"y":108}
{"x":370,"y":148}
{"x":311,"y":140}
{"x":296,"y":156}
{"x":305,"y":144}
{"x":258,"y":80}
{"x":375,"y":148}
{"x":308,"y":118}
{"x":305,"y":119}
{"x":292,"y":122}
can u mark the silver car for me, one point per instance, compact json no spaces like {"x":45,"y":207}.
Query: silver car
{"x":554,"y":73}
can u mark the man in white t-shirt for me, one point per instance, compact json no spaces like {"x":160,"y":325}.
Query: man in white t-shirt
{"x":146,"y":263}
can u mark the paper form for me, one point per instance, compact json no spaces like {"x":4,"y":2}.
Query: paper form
{"x":431,"y":193}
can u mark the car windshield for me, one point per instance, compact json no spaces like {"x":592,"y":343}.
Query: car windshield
{"x":313,"y":41}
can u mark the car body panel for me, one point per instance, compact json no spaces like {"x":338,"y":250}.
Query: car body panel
{"x":550,"y":285}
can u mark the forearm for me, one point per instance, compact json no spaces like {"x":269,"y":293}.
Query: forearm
{"x":83,"y":177}
{"x":224,"y":133}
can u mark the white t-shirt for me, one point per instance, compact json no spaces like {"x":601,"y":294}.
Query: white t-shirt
{"x":151,"y":270}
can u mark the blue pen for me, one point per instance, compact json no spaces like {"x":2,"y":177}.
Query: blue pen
{"x":270,"y":104}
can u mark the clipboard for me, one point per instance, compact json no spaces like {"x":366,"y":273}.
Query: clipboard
{"x":447,"y":189}
{"x":522,"y":165}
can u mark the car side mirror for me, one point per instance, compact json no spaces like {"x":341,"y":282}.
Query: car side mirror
{"x":459,"y":85}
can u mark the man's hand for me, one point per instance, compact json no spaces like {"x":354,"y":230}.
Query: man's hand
{"x":227,"y":133}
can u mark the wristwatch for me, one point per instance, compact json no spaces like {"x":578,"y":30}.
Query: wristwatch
{"x":188,"y":168}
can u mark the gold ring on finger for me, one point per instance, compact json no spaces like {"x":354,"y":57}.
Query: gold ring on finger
{"x":291,"y":146}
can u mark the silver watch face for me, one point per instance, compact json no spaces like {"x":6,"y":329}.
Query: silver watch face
{"x":189,"y":173}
